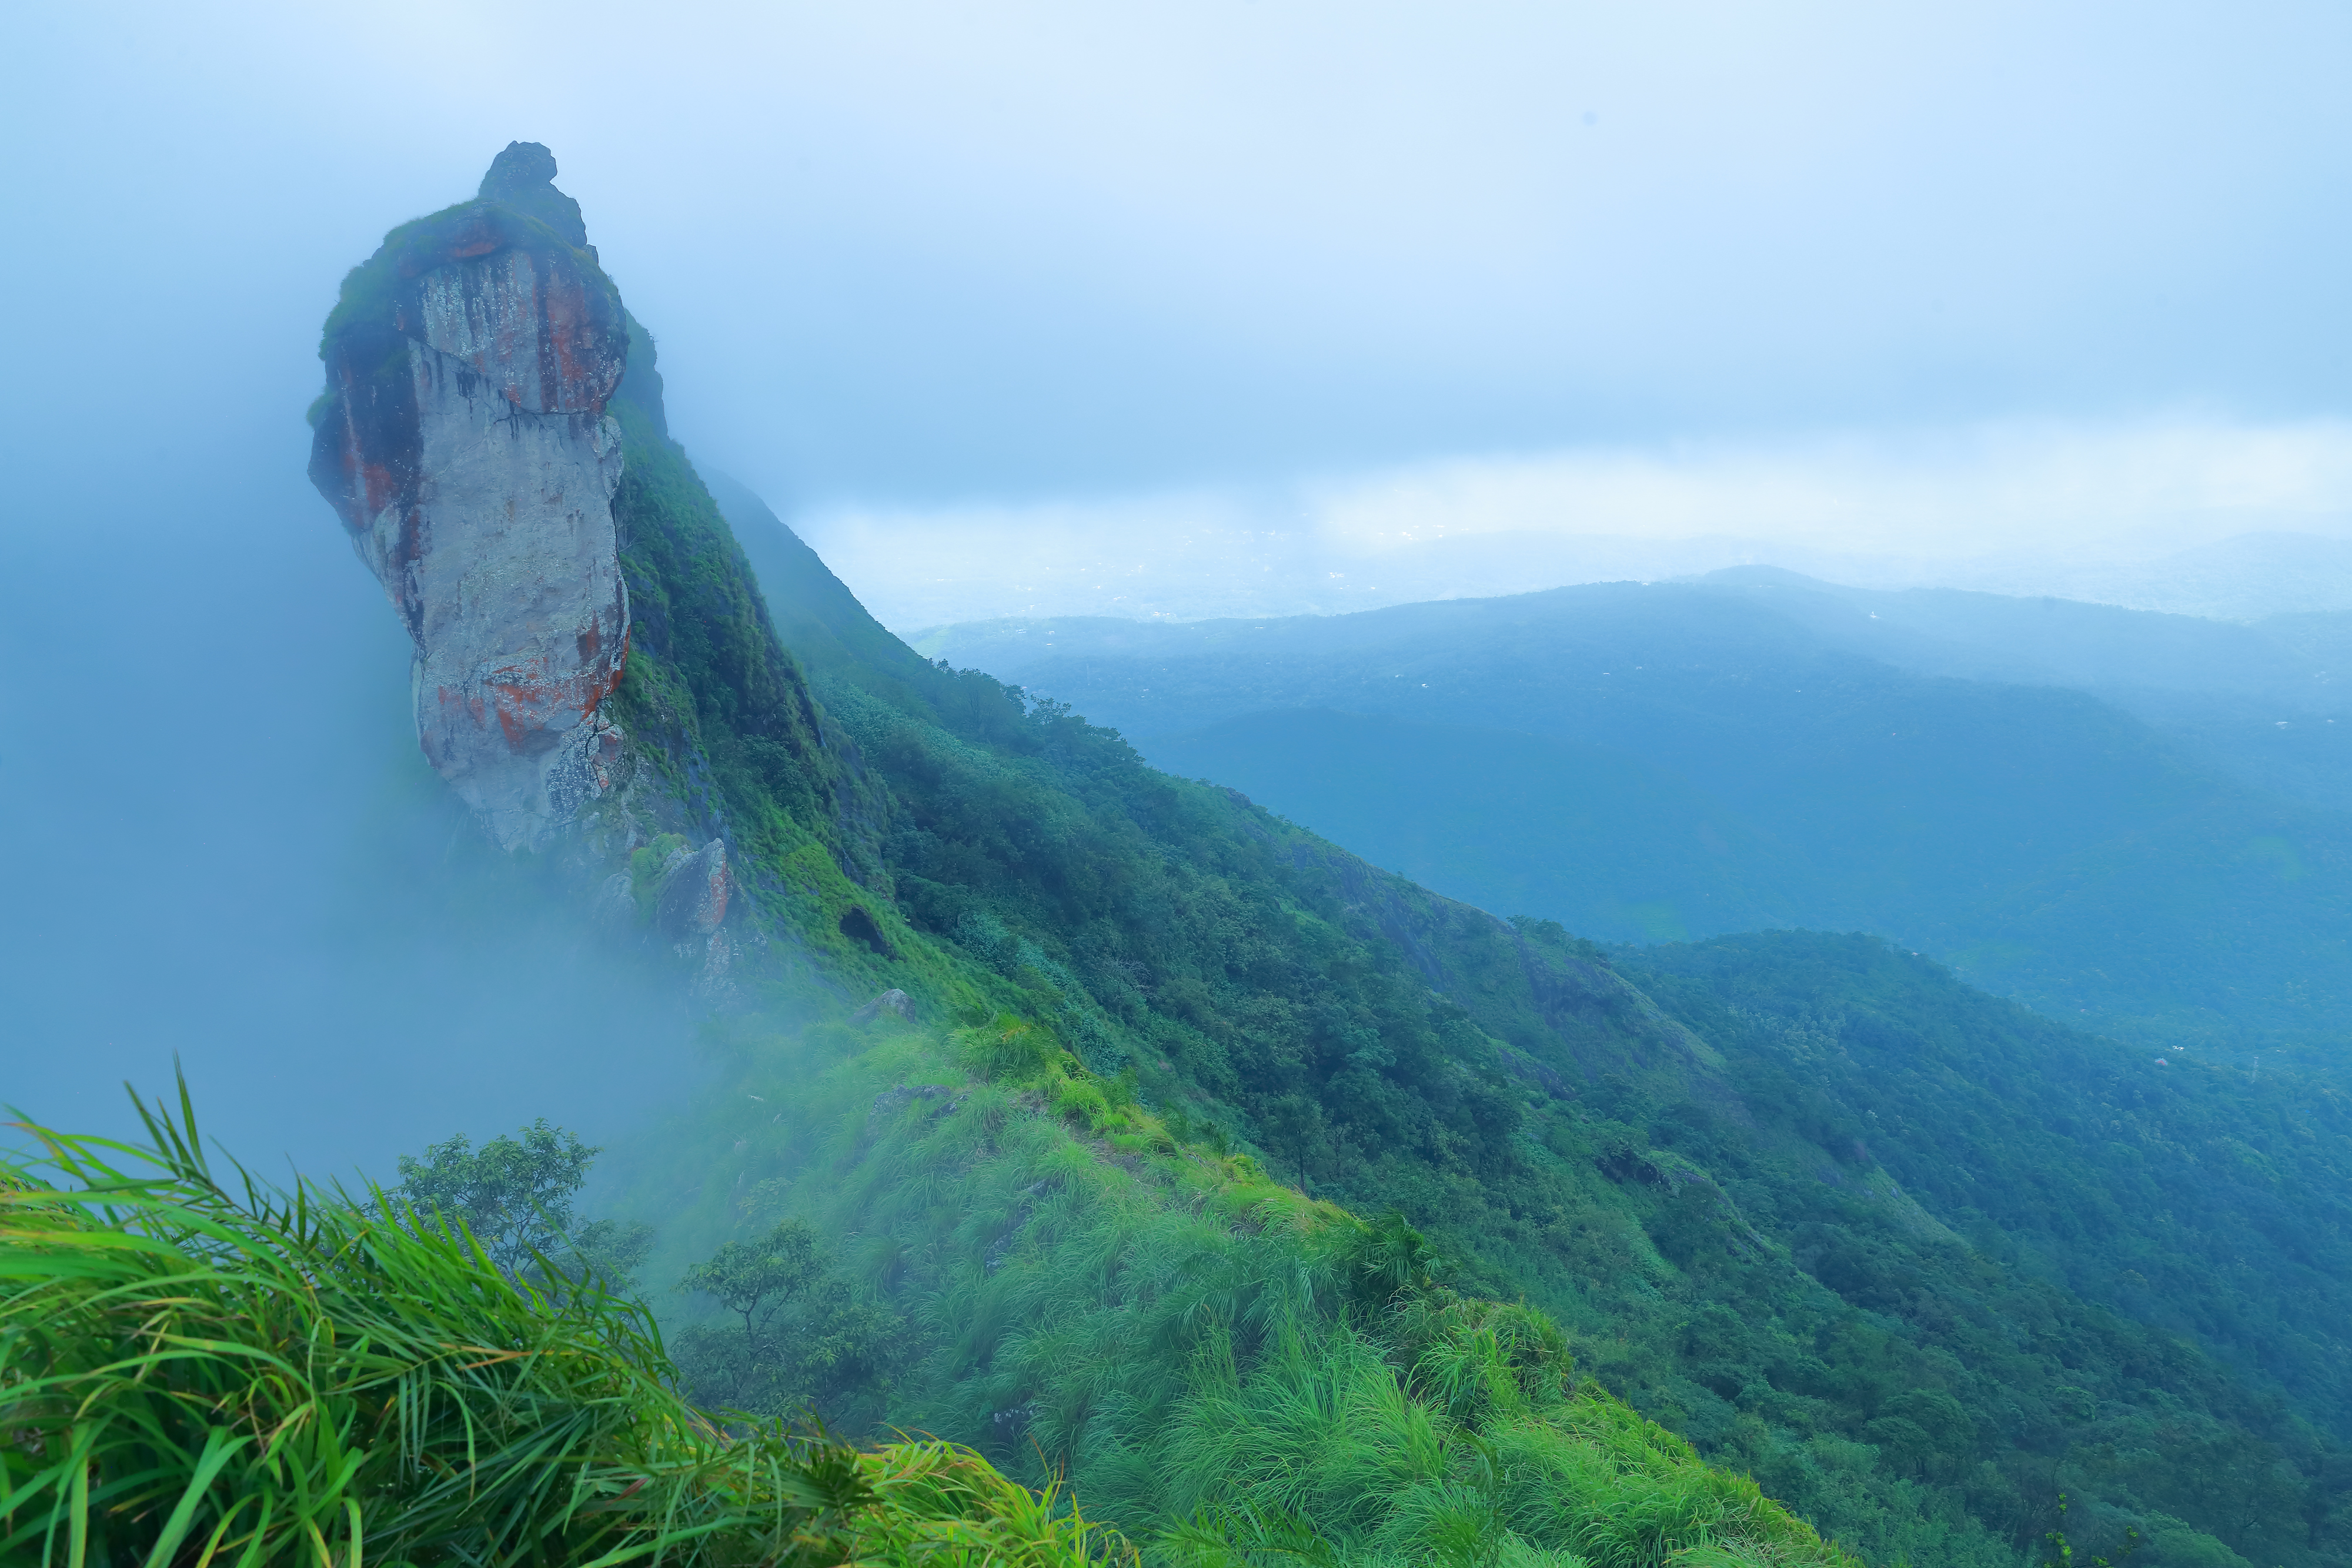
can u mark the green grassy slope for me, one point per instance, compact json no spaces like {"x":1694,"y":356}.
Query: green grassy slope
{"x":1210,"y":1357}
{"x":1021,"y":850}
{"x":1667,"y":1199}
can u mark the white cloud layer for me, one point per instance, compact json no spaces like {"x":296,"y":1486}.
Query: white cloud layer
{"x":2132,"y":489}
{"x":2197,"y":516}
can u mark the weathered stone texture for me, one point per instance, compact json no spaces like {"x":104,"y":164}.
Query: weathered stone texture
{"x":894,"y":1002}
{"x":694,"y":892}
{"x":467,"y":447}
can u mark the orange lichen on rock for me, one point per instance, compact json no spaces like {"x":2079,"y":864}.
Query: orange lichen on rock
{"x":467,"y":448}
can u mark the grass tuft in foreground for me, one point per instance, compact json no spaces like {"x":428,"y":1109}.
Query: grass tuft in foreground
{"x":196,"y":1372}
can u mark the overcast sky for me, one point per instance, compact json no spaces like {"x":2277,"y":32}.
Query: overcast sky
{"x":926,"y":253}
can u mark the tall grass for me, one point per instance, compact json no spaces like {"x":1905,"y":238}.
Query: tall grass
{"x":1386,"y":1464}
{"x":1255,"y":1376}
{"x":196,"y":1371}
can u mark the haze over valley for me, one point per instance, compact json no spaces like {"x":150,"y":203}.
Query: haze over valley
{"x":2136,"y":820}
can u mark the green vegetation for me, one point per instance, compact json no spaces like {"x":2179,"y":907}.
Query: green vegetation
{"x":196,"y":1375}
{"x":514,"y":1193}
{"x":1669,"y":1234}
{"x":817,"y":617}
{"x":2197,"y":1205}
{"x":1922,"y":1398}
{"x":791,"y":1335}
{"x":712,"y":698}
{"x":1213,"y":1360}
{"x":1720,"y":1250}
{"x":1611,"y":845}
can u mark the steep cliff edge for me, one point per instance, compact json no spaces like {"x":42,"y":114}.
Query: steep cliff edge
{"x":493,"y":438}
{"x":463,"y":442}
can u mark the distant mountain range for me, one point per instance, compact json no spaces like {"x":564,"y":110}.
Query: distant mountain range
{"x":1202,"y":558}
{"x":2128,"y":819}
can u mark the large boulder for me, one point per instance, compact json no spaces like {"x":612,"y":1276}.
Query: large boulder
{"x":695,"y":890}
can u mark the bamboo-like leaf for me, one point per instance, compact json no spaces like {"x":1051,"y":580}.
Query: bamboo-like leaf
{"x":286,"y":1376}
{"x":78,"y":1551}
{"x":219,"y":1447}
{"x":220,"y":1531}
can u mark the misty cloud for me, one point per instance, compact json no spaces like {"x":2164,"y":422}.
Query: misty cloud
{"x":2194,"y":517}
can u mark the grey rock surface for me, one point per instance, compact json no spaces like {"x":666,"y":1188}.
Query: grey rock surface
{"x":468,"y":449}
{"x":893,"y":1001}
{"x":695,"y":892}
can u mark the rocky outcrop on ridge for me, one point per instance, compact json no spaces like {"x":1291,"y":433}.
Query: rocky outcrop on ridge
{"x":464,"y":441}
{"x":694,"y":895}
{"x":493,"y":438}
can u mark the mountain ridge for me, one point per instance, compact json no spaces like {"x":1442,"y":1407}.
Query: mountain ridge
{"x":2006,"y":827}
{"x":1114,"y":986}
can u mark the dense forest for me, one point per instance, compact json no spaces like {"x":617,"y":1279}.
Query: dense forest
{"x":2134,"y":821}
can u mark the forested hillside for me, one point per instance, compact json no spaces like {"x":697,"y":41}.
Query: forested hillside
{"x":1654,"y":762}
{"x":1277,"y":1205}
{"x":1748,"y":1245}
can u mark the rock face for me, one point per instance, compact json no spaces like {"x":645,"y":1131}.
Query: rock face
{"x":893,"y":1001}
{"x":463,"y":442}
{"x":691,"y":909}
{"x":694,"y":895}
